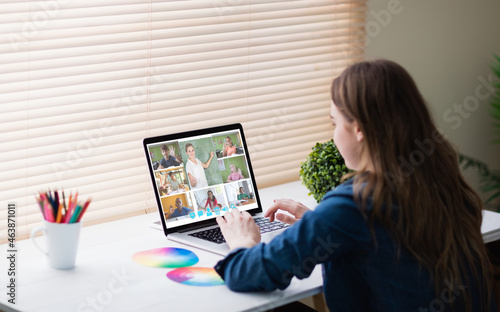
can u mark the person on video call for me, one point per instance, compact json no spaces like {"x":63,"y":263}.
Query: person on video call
{"x":228,"y":149}
{"x":174,"y":183}
{"x":211,"y":200}
{"x":388,"y":239}
{"x":178,"y":211}
{"x":235,"y":174}
{"x":196,"y":169}
{"x":242,"y":195}
{"x":169,"y":158}
{"x":162,"y":183}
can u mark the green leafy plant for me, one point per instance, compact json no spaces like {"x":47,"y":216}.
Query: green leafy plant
{"x":489,"y":179}
{"x":323,"y":169}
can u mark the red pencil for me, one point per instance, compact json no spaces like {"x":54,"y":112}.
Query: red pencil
{"x":83,"y":210}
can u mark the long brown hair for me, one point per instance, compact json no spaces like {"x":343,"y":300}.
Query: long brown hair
{"x":413,"y":167}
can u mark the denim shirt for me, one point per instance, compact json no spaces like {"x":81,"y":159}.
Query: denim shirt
{"x":358,"y":275}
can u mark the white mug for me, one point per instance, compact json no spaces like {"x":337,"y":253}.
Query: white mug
{"x":61,"y":241}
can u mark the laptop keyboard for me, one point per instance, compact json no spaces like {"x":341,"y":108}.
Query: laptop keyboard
{"x":214,"y":235}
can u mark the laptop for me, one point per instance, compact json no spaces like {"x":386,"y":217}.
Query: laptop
{"x":199,"y":175}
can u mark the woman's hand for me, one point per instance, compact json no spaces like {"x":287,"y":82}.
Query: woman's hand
{"x":207,"y":164}
{"x":192,"y":180}
{"x":295,"y":208}
{"x":239,"y":229}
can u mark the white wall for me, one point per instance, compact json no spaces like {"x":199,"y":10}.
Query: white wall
{"x":447,"y":47}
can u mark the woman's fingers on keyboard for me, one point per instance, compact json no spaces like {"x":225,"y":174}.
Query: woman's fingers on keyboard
{"x":285,"y":218}
{"x":293,"y":207}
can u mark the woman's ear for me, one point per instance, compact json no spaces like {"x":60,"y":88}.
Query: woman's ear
{"x":359,"y":134}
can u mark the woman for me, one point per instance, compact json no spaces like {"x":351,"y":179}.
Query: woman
{"x":402,"y":234}
{"x":195,"y":168}
{"x":211,"y":200}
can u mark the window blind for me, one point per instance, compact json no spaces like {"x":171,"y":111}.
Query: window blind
{"x":83,"y":82}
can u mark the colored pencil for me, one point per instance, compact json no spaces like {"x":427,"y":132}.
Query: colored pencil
{"x":83,"y":210}
{"x":64,"y":203}
{"x":53,"y":210}
{"x":56,"y":204}
{"x":48,"y":212}
{"x":75,"y":214}
{"x":40,"y":204}
{"x":69,"y":211}
{"x":59,"y":214}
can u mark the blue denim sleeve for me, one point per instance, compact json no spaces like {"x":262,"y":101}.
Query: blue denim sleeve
{"x":333,"y":229}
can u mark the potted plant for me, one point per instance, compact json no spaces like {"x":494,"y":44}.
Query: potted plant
{"x":322,"y":170}
{"x":489,"y":179}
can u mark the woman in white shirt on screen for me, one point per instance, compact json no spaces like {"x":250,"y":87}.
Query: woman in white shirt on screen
{"x":196,"y":169}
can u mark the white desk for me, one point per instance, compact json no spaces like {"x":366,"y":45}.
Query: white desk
{"x":106,"y":278}
{"x":491,"y":226}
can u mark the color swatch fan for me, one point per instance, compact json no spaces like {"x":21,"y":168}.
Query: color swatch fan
{"x":166,"y":257}
{"x":195,"y":276}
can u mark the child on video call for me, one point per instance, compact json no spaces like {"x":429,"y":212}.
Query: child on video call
{"x":228,"y":149}
{"x":235,"y":174}
{"x":178,"y":211}
{"x":169,"y":158}
{"x":242,"y":195}
{"x":174,"y":183}
{"x":211,"y":200}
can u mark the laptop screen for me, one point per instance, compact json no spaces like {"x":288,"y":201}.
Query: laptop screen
{"x":201,"y":174}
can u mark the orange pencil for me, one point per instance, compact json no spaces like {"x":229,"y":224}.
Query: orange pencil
{"x":68,"y":211}
{"x":73,"y":208}
{"x":59,"y":214}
